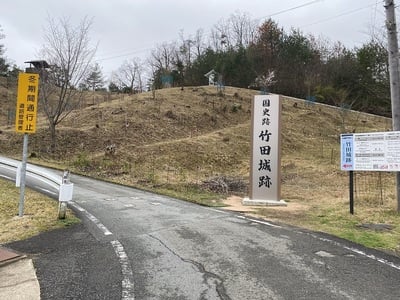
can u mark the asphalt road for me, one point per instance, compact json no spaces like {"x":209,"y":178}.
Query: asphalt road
{"x":71,"y":264}
{"x":138,"y":245}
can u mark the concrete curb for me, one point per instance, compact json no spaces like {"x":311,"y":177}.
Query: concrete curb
{"x":18,"y":280}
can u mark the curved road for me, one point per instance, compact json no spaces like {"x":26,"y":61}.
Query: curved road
{"x":177,"y":250}
{"x":170,"y":249}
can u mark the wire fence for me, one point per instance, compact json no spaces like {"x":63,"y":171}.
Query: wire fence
{"x":374,"y":188}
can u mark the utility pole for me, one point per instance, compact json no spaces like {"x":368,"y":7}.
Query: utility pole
{"x":394,"y":74}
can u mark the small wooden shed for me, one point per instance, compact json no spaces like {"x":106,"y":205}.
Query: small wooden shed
{"x":211,"y":75}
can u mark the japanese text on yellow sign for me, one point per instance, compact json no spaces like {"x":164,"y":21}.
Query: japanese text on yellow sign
{"x":27,"y":99}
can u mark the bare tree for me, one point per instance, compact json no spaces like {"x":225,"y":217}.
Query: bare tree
{"x":69,"y":53}
{"x":199,"y":42}
{"x":162,"y":57}
{"x":242,"y":29}
{"x":3,"y":63}
{"x":185,"y":53}
{"x":220,"y":36}
{"x":162,"y":62}
{"x":140,"y":72}
{"x":239,"y":30}
{"x":129,"y":74}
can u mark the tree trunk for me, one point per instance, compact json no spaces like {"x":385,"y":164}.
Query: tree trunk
{"x":53,"y":141}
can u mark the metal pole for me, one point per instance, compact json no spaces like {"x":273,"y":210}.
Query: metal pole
{"x":393,"y":51}
{"x":351,"y":186}
{"x":23,"y":175}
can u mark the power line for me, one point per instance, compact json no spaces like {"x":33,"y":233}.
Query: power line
{"x":340,"y":15}
{"x":374,"y":18}
{"x":125,"y":54}
{"x":273,"y":14}
{"x":289,"y":9}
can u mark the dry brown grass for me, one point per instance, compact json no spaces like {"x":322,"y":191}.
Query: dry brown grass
{"x":40,"y":214}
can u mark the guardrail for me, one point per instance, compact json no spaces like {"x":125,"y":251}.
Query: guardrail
{"x":39,"y":173}
{"x":60,"y":183}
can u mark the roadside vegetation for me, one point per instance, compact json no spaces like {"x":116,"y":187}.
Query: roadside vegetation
{"x":40,"y":214}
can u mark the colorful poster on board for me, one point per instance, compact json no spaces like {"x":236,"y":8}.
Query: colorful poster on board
{"x":374,"y":151}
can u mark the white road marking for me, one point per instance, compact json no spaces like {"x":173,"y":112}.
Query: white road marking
{"x":358,"y":251}
{"x":352,"y":249}
{"x":127,"y":282}
{"x":92,"y":218}
{"x":127,"y":274}
{"x":218,"y":211}
{"x":259,"y":222}
{"x":323,"y":253}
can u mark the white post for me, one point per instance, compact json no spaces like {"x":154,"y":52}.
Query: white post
{"x":23,"y":176}
{"x":65,"y":194}
{"x":393,"y":49}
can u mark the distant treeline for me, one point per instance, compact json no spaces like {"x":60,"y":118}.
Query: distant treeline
{"x":266,"y":57}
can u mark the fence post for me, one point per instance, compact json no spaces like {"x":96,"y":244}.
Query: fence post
{"x":351,"y":191}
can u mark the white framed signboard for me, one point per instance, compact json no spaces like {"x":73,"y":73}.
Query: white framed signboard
{"x":375,"y":151}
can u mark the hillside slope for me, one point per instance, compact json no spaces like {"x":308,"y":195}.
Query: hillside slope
{"x":194,"y":141}
{"x":190,"y":135}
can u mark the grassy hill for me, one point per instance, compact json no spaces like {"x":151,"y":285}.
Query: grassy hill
{"x":195,"y":143}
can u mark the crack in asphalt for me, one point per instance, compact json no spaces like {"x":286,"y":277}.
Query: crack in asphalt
{"x":219,"y":282}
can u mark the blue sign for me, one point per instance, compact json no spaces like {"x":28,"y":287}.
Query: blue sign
{"x":347,"y":152}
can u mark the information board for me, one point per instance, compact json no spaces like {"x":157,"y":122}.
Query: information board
{"x":375,"y":151}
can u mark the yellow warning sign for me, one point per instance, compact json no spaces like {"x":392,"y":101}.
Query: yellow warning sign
{"x":27,"y":103}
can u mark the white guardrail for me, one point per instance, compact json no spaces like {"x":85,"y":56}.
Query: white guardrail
{"x":60,"y":183}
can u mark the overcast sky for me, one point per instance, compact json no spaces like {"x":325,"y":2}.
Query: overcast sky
{"x":131,"y":28}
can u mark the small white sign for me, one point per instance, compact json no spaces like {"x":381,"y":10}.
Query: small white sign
{"x":66,"y":191}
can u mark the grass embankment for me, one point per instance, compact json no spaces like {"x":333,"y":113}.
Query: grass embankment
{"x":40,"y":214}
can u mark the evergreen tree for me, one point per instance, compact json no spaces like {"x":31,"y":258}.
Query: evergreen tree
{"x":296,"y":55}
{"x":373,"y":89}
{"x":113,"y":87}
{"x":95,"y":80}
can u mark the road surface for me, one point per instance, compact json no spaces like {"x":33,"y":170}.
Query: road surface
{"x":139,"y":245}
{"x":170,"y":249}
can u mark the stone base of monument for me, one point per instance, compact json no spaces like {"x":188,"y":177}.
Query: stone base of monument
{"x":254,"y":202}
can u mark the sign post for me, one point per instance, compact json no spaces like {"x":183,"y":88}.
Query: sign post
{"x":347,"y":163}
{"x":25,"y":122}
{"x":374,"y":151}
{"x":351,"y":191}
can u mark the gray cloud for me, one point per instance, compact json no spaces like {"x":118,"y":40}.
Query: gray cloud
{"x":132,"y":27}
